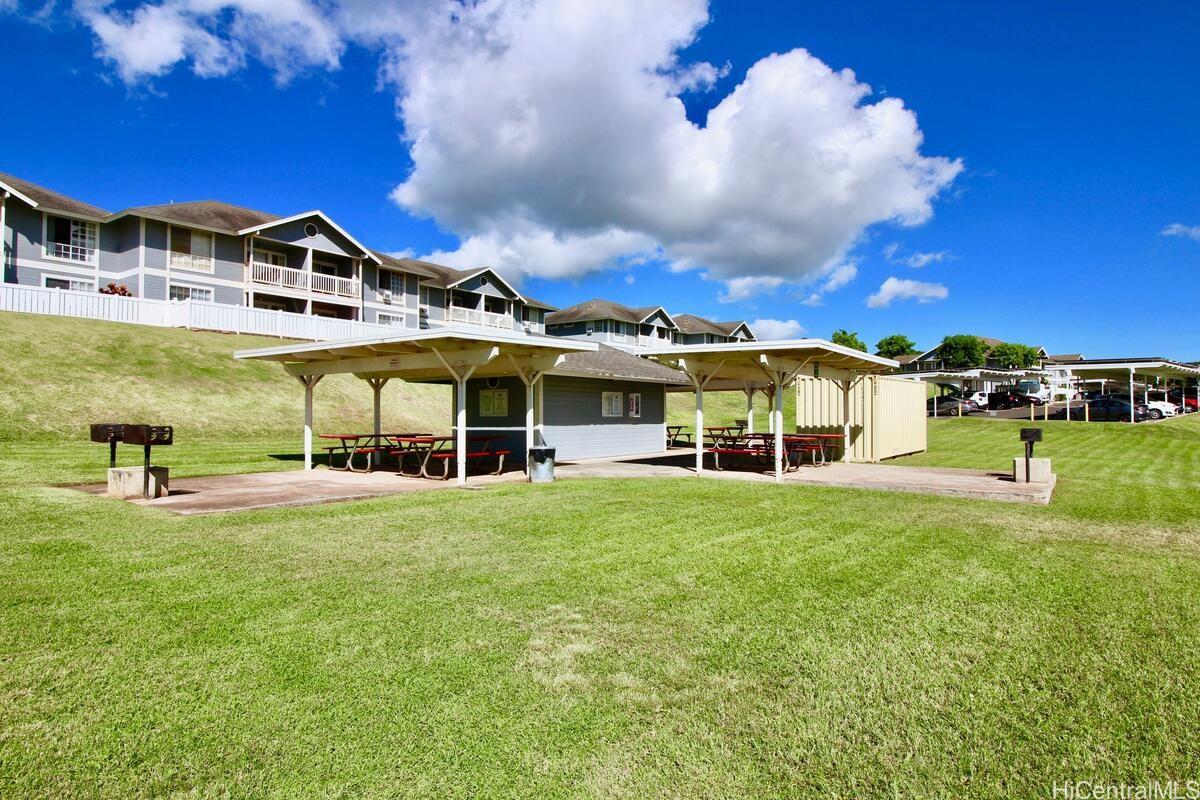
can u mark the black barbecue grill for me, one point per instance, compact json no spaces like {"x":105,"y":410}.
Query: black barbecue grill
{"x":111,"y":433}
{"x":146,"y":435}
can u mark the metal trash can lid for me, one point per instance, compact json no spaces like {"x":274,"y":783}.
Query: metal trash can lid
{"x":540,"y":454}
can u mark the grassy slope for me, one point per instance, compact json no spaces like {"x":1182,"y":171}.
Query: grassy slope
{"x":607,"y":638}
{"x":58,"y":375}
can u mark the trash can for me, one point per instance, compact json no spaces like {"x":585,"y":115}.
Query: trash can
{"x":541,"y":464}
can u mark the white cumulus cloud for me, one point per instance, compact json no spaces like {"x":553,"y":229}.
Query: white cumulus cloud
{"x":550,"y":137}
{"x":772,"y":329}
{"x":904,"y":289}
{"x":1179,"y":229}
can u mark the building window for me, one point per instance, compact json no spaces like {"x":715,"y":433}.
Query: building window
{"x":71,"y":284}
{"x":612,"y":404}
{"x":270,"y":257}
{"x":311,"y":231}
{"x":71,"y":239}
{"x":635,"y":405}
{"x":391,"y":281}
{"x":390,"y":319}
{"x":493,"y":402}
{"x":191,"y":249}
{"x":197,"y":293}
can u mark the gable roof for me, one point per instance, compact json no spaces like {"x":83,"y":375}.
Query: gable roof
{"x":609,"y":362}
{"x":690,"y":323}
{"x":48,"y":199}
{"x":447,"y":277}
{"x":258,"y":227}
{"x":211,"y":214}
{"x":597,"y":309}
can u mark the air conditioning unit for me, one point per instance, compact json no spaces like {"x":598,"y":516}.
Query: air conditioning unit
{"x":385,"y":295}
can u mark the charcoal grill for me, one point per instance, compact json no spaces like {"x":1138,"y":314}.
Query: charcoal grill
{"x":111,"y":433}
{"x":149,"y":436}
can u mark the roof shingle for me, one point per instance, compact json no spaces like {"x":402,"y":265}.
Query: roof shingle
{"x":52,"y":200}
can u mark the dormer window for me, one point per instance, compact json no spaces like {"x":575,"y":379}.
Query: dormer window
{"x":71,"y":239}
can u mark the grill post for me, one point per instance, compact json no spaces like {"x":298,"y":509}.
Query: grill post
{"x":112,"y":453}
{"x":146,"y":474}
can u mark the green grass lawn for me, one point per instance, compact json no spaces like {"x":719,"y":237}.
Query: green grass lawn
{"x":658,"y":638}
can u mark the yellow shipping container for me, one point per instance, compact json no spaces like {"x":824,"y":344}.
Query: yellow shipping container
{"x":887,"y":414}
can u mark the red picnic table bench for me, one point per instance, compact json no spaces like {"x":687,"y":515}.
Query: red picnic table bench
{"x":442,"y":448}
{"x":761,"y":447}
{"x":350,"y":445}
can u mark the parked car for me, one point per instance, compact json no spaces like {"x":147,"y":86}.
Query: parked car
{"x":1185,"y":400}
{"x":979,"y":399}
{"x":951,"y":405}
{"x":1010,"y":397}
{"x":1158,"y":405}
{"x":1106,"y":408}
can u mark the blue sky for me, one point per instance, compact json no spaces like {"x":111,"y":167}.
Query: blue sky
{"x":1075,"y":123}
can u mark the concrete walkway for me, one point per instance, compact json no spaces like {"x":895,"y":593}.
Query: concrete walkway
{"x":972,"y":483}
{"x":219,"y":493}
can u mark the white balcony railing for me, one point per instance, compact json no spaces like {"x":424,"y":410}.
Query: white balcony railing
{"x":333,"y":284}
{"x":194,"y":263}
{"x":71,"y":252}
{"x":471,"y":316}
{"x":300,"y":280}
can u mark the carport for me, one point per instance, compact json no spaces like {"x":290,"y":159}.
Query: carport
{"x":1121,"y":370}
{"x":426,"y":356}
{"x":771,"y":367}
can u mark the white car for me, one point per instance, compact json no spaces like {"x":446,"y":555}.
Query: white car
{"x":1158,"y":406}
{"x":979,"y":399}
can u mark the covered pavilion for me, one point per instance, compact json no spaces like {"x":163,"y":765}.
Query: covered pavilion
{"x":1122,"y":370}
{"x":770,"y":366}
{"x":434,"y":355}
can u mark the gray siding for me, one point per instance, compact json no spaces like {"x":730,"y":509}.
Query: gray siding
{"x":574,"y":425}
{"x":437,"y":303}
{"x":491,"y":288}
{"x":155,"y":287}
{"x":156,"y":245}
{"x":327,"y":239}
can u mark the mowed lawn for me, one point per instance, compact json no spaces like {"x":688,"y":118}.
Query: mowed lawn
{"x":677,"y":638}
{"x":657,"y":638}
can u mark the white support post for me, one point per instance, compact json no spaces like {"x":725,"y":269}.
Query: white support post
{"x":377,"y":385}
{"x":460,"y":411}
{"x":1070,"y":380}
{"x":1132,"y":400}
{"x":777,"y":413}
{"x":847,"y":386}
{"x":309,"y":382}
{"x":750,"y":390}
{"x":770,"y":392}
{"x":699,"y":384}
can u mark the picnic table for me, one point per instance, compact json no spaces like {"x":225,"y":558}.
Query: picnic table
{"x":431,"y":449}
{"x":350,"y":445}
{"x":675,"y":433}
{"x":761,"y":447}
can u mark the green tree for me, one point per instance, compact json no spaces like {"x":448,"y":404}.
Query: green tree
{"x":962,"y":351}
{"x":848,"y":339}
{"x":895,"y":345}
{"x":1011,"y":355}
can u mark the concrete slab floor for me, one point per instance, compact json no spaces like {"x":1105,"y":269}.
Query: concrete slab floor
{"x":221,"y":493}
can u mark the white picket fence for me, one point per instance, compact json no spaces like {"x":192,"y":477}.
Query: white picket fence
{"x":181,"y":314}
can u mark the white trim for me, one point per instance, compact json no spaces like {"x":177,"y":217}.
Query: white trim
{"x":258,"y":229}
{"x":630,"y":403}
{"x":666,"y":314}
{"x":604,"y":397}
{"x":212,"y":259}
{"x":93,"y":262}
{"x":192,"y":287}
{"x":20,"y":196}
{"x":141,"y":267}
{"x":60,"y":266}
{"x":68,"y":279}
{"x":479,"y":272}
